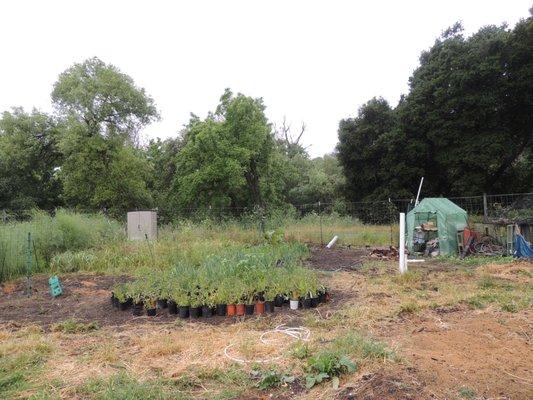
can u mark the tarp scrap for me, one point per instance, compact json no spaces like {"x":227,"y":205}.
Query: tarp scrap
{"x":523,"y":249}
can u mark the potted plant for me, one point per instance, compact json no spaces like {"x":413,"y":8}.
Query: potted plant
{"x":136,"y":295}
{"x":269,"y":295}
{"x":171,"y":302}
{"x":181,"y":294}
{"x":195,"y":310}
{"x":207,"y":303}
{"x":121,"y":296}
{"x":249,"y":305}
{"x":150,"y":305}
{"x":221,"y":296}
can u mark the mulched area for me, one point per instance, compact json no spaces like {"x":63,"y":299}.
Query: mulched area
{"x":337,"y":259}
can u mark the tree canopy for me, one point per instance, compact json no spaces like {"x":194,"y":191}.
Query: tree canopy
{"x":466,"y":124}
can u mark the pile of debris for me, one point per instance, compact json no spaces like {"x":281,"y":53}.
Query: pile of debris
{"x":384,"y":253}
{"x":483,"y":245}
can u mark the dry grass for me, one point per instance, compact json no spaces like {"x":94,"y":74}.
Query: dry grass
{"x":187,"y":359}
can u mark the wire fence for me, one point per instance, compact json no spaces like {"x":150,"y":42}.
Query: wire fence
{"x":359,"y":224}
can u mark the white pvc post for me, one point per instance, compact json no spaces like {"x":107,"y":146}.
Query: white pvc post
{"x":403,"y":263}
{"x":332,"y":242}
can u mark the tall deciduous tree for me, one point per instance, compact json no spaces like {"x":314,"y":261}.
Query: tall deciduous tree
{"x":103,"y":111}
{"x":226,"y":156}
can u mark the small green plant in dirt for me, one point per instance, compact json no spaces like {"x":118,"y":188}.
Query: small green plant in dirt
{"x":408,"y":308}
{"x":271,"y":379}
{"x":301,"y":351}
{"x":73,"y":326}
{"x":467,"y":393}
{"x":328,"y":365}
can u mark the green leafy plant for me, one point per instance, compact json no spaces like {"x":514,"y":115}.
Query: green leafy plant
{"x":328,"y":365}
{"x":121,"y":291}
{"x":271,"y":379}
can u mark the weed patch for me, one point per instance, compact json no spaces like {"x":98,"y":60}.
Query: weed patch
{"x":73,"y":326}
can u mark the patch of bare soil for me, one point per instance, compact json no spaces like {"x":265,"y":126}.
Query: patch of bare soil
{"x":337,"y":258}
{"x":386,"y":384}
{"x":485,"y":351}
{"x":87,"y":298}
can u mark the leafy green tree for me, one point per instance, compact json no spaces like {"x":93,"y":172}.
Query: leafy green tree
{"x":29,"y":157}
{"x":226,"y":156}
{"x":104,"y":174}
{"x":466,"y":124}
{"x":162,"y":156}
{"x":103,"y":111}
{"x":104,"y":99}
{"x":360,"y":150}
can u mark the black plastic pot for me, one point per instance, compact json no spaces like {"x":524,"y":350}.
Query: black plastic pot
{"x":314,"y":302}
{"x":112,"y":298}
{"x":161,"y":304}
{"x":222,"y":310}
{"x":306,"y":303}
{"x":322,"y":297}
{"x":207,"y":312}
{"x":137,"y":309}
{"x":269,"y":307}
{"x":172,"y":307}
{"x":195,"y":312}
{"x":115,"y":302}
{"x":151,"y":312}
{"x":123,"y":306}
{"x":249,"y":309}
{"x":183,"y":311}
{"x":278,"y":301}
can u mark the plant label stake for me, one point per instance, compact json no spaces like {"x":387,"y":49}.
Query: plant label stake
{"x":55,"y":286}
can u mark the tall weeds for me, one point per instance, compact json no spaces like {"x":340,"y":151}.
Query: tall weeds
{"x":66,"y":231}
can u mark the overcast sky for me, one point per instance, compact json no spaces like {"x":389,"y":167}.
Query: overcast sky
{"x":313,"y":62}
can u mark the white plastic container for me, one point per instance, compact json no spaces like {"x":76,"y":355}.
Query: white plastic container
{"x":294,"y":304}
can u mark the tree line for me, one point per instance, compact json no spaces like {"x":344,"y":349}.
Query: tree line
{"x":466,"y":125}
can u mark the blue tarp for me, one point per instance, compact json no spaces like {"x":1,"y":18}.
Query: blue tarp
{"x":522,"y":248}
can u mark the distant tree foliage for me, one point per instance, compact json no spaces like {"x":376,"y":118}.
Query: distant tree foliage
{"x":225,"y":158}
{"x":102,"y":111}
{"x":466,"y":124}
{"x":29,"y":156}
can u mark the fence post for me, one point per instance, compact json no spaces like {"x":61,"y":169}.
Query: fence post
{"x":485,"y":210}
{"x":320,"y":219}
{"x":28,"y":266}
{"x":403,"y":263}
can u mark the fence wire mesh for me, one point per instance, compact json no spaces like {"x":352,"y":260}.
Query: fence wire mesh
{"x":357,"y":224}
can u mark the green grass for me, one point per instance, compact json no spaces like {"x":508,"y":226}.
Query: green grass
{"x":124,"y":387}
{"x":50,"y":236}
{"x":360,"y":347}
{"x":73,"y":326}
{"x":21,"y":362}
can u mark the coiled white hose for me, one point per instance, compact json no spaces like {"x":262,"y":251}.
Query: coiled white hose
{"x":298,"y":333}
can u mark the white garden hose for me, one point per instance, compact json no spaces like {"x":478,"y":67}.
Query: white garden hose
{"x":298,"y":333}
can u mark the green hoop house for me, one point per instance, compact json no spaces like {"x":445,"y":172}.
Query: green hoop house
{"x":447,"y":216}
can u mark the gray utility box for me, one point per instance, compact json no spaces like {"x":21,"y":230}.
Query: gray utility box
{"x":141,"y":223}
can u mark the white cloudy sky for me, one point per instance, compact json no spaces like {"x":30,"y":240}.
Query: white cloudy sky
{"x":312,"y":61}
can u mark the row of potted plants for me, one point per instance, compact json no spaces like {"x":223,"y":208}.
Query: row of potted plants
{"x":228,"y":287}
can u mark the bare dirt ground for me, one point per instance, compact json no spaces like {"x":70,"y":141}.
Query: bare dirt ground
{"x":448,"y":351}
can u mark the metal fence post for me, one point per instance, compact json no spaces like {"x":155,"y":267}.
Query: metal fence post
{"x":485,"y":210}
{"x":28,"y":266}
{"x":320,"y":219}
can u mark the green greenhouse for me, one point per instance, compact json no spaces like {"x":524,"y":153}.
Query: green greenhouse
{"x":435,"y":220}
